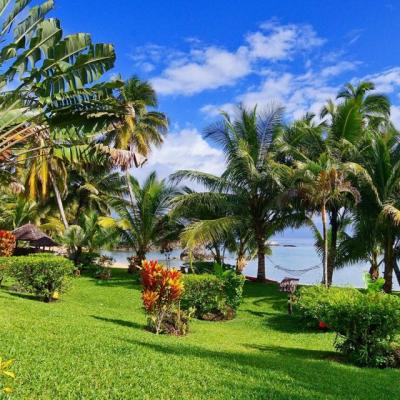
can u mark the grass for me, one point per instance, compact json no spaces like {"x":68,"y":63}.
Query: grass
{"x":92,"y":345}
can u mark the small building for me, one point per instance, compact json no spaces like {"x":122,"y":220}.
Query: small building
{"x":36,"y":239}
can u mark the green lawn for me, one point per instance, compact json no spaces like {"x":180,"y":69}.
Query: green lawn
{"x":92,"y":345}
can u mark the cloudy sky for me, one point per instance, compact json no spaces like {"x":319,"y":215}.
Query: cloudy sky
{"x":206,"y":56}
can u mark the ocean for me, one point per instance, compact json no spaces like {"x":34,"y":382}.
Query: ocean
{"x":300,"y":257}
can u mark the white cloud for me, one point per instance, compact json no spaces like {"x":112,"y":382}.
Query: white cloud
{"x":386,"y":81}
{"x":185,"y":149}
{"x":297,"y":93}
{"x":216,"y":67}
{"x":339,"y":68}
{"x":211,"y":67}
{"x":281,"y":41}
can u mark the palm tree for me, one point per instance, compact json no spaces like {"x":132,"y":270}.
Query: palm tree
{"x":251,"y":187}
{"x":92,"y":233}
{"x":93,"y":187}
{"x":378,"y":214}
{"x":141,"y":218}
{"x":324,"y":182}
{"x":140,"y":126}
{"x":343,"y":133}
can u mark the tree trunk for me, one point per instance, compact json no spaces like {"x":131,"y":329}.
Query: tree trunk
{"x":59,"y":199}
{"x":374,"y":266}
{"x":333,"y":245}
{"x":241,"y":263}
{"x":128,"y":182}
{"x":389,"y":259}
{"x":261,"y":259}
{"x":325,"y":238}
{"x":217,"y":254}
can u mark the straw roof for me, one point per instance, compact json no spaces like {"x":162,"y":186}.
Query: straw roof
{"x":31,"y":233}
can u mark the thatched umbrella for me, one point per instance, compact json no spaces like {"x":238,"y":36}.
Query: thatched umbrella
{"x":32,"y":234}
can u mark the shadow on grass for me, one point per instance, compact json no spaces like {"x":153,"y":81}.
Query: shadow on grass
{"x":121,"y":322}
{"x":26,"y":296}
{"x":297,"y":373}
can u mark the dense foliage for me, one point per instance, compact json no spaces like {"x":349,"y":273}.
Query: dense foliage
{"x":366,"y":323}
{"x":43,"y":275}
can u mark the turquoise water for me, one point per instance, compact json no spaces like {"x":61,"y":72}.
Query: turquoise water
{"x":300,"y":257}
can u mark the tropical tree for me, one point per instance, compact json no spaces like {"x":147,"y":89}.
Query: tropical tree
{"x":141,"y":219}
{"x":91,"y":234}
{"x":51,"y":71}
{"x":378,"y":216}
{"x":138,"y":127}
{"x":343,"y":131}
{"x":93,"y":187}
{"x":251,"y":188}
{"x":324,"y":182}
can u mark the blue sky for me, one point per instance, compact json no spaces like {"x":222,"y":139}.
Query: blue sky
{"x":203,"y":56}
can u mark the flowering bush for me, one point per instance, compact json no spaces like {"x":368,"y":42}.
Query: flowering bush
{"x":162,"y":290}
{"x":7,"y":243}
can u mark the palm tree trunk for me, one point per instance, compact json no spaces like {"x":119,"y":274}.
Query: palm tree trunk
{"x":332,"y":248}
{"x":325,"y":238}
{"x":240,"y":263}
{"x":261,"y":259}
{"x":389,"y":259}
{"x":374,"y":266}
{"x":128,"y":182}
{"x":59,"y":199}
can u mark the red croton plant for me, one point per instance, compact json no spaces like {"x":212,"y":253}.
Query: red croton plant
{"x":7,"y":243}
{"x":162,"y":290}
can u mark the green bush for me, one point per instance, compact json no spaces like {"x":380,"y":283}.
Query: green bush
{"x":204,"y":293}
{"x":313,"y":301}
{"x":44,"y":275}
{"x":366,"y":323}
{"x":232,"y":285}
{"x":213,"y":297}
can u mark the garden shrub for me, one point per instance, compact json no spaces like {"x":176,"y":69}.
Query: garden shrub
{"x":7,"y":243}
{"x":204,"y":293}
{"x":214,"y":297}
{"x":162,"y":290}
{"x":366,"y":323}
{"x":46,"y":275}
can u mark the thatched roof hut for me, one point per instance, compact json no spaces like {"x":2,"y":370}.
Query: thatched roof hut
{"x":32,"y":234}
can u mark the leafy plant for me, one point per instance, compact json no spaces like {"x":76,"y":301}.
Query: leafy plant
{"x":45,"y":276}
{"x":162,"y":290}
{"x":204,"y":293}
{"x":7,"y":243}
{"x":214,"y":297}
{"x":5,"y":372}
{"x":366,"y":323}
{"x":373,"y":285}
